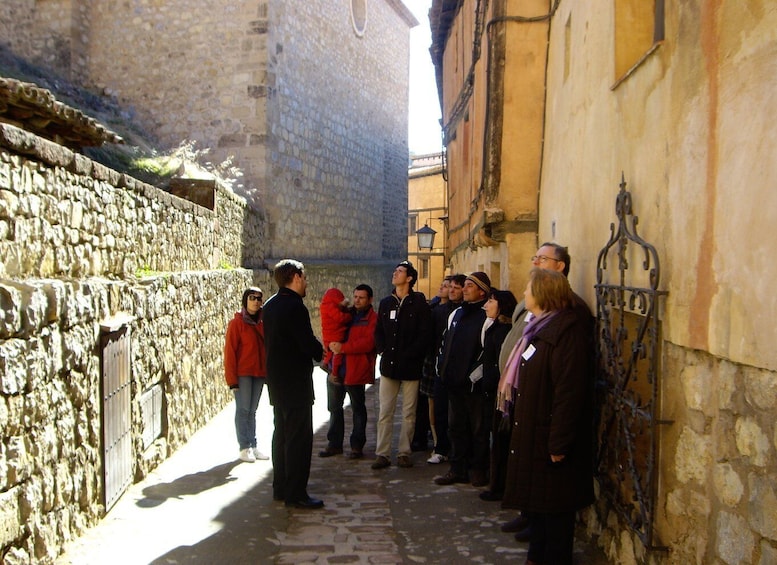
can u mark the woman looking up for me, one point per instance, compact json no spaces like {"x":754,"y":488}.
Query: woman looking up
{"x":547,"y":378}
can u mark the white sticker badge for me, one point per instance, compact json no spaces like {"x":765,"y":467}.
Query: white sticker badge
{"x":529,"y":352}
{"x":393,"y":315}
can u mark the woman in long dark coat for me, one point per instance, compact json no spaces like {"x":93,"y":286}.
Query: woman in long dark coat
{"x":549,"y":471}
{"x":499,"y":308}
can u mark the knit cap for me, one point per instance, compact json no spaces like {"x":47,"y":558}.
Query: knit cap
{"x":481,"y":279}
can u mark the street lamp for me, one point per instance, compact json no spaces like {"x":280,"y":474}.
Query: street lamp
{"x":425,"y":237}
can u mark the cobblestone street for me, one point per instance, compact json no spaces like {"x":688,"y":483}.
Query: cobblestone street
{"x":204,"y":506}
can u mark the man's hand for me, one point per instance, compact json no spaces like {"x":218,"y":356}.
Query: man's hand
{"x":335,"y":346}
{"x":556,"y":458}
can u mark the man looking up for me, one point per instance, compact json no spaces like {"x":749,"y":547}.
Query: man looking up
{"x":359,"y":354}
{"x":469,"y":456}
{"x":291,"y":348}
{"x":402,"y":338}
{"x":424,"y":414}
{"x":439,"y":399}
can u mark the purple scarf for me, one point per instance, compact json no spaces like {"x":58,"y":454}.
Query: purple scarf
{"x":509,"y":382}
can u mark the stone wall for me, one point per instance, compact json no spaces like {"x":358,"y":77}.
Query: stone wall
{"x":67,"y":216}
{"x":78,"y":243}
{"x":39,"y":30}
{"x":337,"y":145}
{"x":314,"y":113}
{"x":716,"y":491}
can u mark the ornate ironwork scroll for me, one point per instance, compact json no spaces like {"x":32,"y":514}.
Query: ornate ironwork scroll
{"x":628,"y":333}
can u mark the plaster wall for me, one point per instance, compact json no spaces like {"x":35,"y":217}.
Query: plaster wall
{"x":493,"y":214}
{"x":688,"y":127}
{"x":427,"y":202}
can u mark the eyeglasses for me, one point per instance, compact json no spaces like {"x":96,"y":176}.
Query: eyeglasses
{"x":254,"y":297}
{"x":543,"y":258}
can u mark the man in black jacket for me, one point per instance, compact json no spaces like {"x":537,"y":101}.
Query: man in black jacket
{"x":291,"y":349}
{"x":439,"y":398}
{"x":460,"y":355}
{"x":402,"y":338}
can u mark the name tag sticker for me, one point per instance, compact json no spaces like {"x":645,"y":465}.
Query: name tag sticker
{"x":393,"y":315}
{"x":527,"y":318}
{"x":529,"y":352}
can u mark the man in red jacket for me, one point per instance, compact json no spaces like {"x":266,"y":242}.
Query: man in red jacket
{"x":357,"y":371}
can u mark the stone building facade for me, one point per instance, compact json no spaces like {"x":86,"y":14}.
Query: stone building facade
{"x":310,"y":97}
{"x":556,"y":101}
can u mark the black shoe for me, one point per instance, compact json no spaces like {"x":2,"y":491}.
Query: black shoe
{"x":329,"y":451}
{"x":355,"y":454}
{"x":306,"y":504}
{"x":524,"y":535}
{"x":478,"y":478}
{"x":449,"y":478}
{"x":516,"y":525}
{"x":490,"y":496}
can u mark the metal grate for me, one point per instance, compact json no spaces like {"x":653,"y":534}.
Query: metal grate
{"x":151,"y":405}
{"x":116,"y":415}
{"x":628,"y":330}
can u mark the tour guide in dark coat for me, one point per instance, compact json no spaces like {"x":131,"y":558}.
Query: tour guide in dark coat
{"x":291,"y":350}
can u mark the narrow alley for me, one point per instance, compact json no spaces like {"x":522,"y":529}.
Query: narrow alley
{"x":202,"y":505}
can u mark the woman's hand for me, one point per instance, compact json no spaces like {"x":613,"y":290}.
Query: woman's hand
{"x":556,"y":458}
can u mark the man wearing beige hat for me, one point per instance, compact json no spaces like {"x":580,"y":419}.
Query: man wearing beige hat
{"x":459,"y":358}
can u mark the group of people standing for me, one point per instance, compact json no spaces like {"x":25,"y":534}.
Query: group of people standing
{"x":507,"y":387}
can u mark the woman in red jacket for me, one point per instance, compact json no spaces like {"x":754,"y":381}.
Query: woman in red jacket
{"x":245,"y":371}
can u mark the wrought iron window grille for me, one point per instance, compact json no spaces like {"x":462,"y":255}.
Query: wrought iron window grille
{"x":628,"y":340}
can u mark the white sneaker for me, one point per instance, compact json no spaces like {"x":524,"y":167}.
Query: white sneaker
{"x":247,"y":455}
{"x":259,"y":456}
{"x":436,"y":459}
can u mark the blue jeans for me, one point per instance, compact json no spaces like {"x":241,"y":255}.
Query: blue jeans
{"x":335,"y":397}
{"x":246,"y":401}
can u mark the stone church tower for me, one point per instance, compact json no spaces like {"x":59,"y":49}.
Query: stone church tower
{"x":309,"y":96}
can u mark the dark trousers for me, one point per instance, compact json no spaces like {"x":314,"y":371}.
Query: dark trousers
{"x":443,"y":445}
{"x":292,"y":445}
{"x":500,"y":450}
{"x":552,"y":538}
{"x":469,"y":427}
{"x":421,"y":434}
{"x":335,"y":398}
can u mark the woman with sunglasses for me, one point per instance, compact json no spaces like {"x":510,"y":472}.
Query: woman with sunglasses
{"x":245,"y":370}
